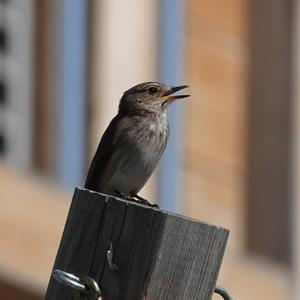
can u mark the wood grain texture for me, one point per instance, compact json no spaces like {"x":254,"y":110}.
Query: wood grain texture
{"x":159,"y":255}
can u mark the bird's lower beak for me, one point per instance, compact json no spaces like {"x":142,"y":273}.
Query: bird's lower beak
{"x":169,"y":97}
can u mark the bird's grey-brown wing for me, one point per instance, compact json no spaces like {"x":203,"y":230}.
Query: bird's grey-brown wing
{"x":102,"y":156}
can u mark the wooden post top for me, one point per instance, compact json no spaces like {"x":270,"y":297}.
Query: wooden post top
{"x":155,"y":254}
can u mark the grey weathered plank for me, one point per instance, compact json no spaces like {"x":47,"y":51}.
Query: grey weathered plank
{"x":188,"y":260}
{"x":159,"y":255}
{"x":133,"y":250}
{"x":75,"y":253}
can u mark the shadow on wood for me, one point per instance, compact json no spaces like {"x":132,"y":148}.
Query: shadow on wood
{"x":159,"y":255}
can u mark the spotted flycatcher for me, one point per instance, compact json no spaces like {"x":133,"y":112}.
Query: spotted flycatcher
{"x":134,"y":141}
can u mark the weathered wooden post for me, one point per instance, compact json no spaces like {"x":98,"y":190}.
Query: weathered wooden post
{"x":156,"y":255}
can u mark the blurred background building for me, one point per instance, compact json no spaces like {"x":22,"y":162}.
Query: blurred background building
{"x":233,"y":158}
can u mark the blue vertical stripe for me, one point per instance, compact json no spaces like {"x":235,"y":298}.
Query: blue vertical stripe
{"x":171,"y":41}
{"x":72,"y":75}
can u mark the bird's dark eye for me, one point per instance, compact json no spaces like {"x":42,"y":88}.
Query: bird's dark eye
{"x":152,"y":90}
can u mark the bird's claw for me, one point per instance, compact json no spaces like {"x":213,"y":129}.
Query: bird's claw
{"x":144,"y":201}
{"x":136,"y":198}
{"x":125,"y":197}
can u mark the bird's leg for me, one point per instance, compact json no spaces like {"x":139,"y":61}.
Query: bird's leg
{"x":127,"y":197}
{"x":124,"y":196}
{"x":135,"y":198}
{"x":143,"y":200}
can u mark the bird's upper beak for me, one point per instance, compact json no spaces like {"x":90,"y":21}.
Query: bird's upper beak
{"x":169,"y":97}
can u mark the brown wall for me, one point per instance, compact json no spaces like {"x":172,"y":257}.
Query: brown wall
{"x":44,"y":86}
{"x":216,"y":118}
{"x":11,"y":292}
{"x":270,"y":162}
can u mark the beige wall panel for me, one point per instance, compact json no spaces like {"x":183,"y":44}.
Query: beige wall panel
{"x":32,"y":217}
{"x":228,"y":15}
{"x":251,"y":278}
{"x":216,"y":140}
{"x":217,"y":101}
{"x":216,"y":201}
{"x":125,"y":44}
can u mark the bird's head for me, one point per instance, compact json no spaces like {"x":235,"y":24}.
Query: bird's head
{"x":151,"y":97}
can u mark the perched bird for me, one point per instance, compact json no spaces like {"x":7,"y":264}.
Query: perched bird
{"x":134,"y":141}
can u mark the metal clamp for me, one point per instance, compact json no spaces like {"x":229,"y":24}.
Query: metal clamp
{"x":223,"y":293}
{"x":88,"y":286}
{"x":83,"y":286}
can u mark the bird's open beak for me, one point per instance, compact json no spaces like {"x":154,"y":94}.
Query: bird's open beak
{"x":169,"y":95}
